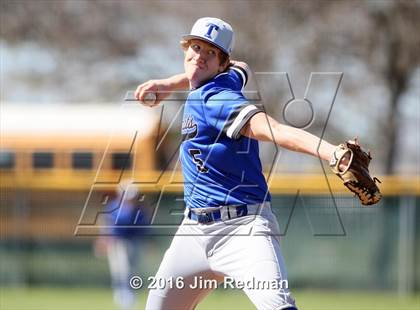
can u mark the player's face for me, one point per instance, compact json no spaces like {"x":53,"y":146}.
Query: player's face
{"x":201,"y":62}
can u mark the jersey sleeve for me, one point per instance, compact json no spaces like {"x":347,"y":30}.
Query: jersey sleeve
{"x":241,"y":75}
{"x":229,"y":111}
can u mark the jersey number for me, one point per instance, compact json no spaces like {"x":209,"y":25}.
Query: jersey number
{"x":198,"y":162}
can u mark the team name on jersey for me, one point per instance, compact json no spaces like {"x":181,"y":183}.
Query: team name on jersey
{"x":189,"y":128}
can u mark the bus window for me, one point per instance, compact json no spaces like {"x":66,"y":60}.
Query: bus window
{"x":82,"y":160}
{"x":42,"y":160}
{"x":7,"y":160}
{"x":121,"y":161}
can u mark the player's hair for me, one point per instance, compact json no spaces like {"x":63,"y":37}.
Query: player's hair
{"x":223,"y":57}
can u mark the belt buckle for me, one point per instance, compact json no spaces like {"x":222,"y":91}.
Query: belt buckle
{"x":205,"y":217}
{"x":202,"y":216}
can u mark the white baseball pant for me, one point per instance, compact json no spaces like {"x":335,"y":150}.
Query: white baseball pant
{"x":244,"y":249}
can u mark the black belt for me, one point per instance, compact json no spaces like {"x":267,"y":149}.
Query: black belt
{"x":210,"y":216}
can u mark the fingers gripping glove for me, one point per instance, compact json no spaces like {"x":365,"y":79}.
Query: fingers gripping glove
{"x":356,"y":175}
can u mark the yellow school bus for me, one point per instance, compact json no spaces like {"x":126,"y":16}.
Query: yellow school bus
{"x":65,"y":146}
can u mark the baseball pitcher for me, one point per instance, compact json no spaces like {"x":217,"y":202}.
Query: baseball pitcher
{"x":228,"y":233}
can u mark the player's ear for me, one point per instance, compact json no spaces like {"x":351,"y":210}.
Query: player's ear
{"x":224,"y":61}
{"x":224,"y":65}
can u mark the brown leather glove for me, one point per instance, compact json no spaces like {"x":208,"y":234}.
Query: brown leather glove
{"x":356,"y":175}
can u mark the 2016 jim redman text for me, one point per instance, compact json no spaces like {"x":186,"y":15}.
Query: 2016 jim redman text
{"x":199,"y":282}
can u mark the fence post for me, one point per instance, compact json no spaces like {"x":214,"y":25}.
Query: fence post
{"x":406,"y":244}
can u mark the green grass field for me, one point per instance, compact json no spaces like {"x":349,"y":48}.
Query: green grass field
{"x":101,"y":299}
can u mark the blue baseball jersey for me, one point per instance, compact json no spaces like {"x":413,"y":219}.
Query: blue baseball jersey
{"x":220,"y":167}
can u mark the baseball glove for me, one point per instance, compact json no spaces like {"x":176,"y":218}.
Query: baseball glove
{"x":356,"y":175}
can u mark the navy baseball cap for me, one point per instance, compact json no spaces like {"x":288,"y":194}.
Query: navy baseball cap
{"x":215,"y":31}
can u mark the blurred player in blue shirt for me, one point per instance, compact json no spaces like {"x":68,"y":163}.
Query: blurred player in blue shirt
{"x":121,"y":240}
